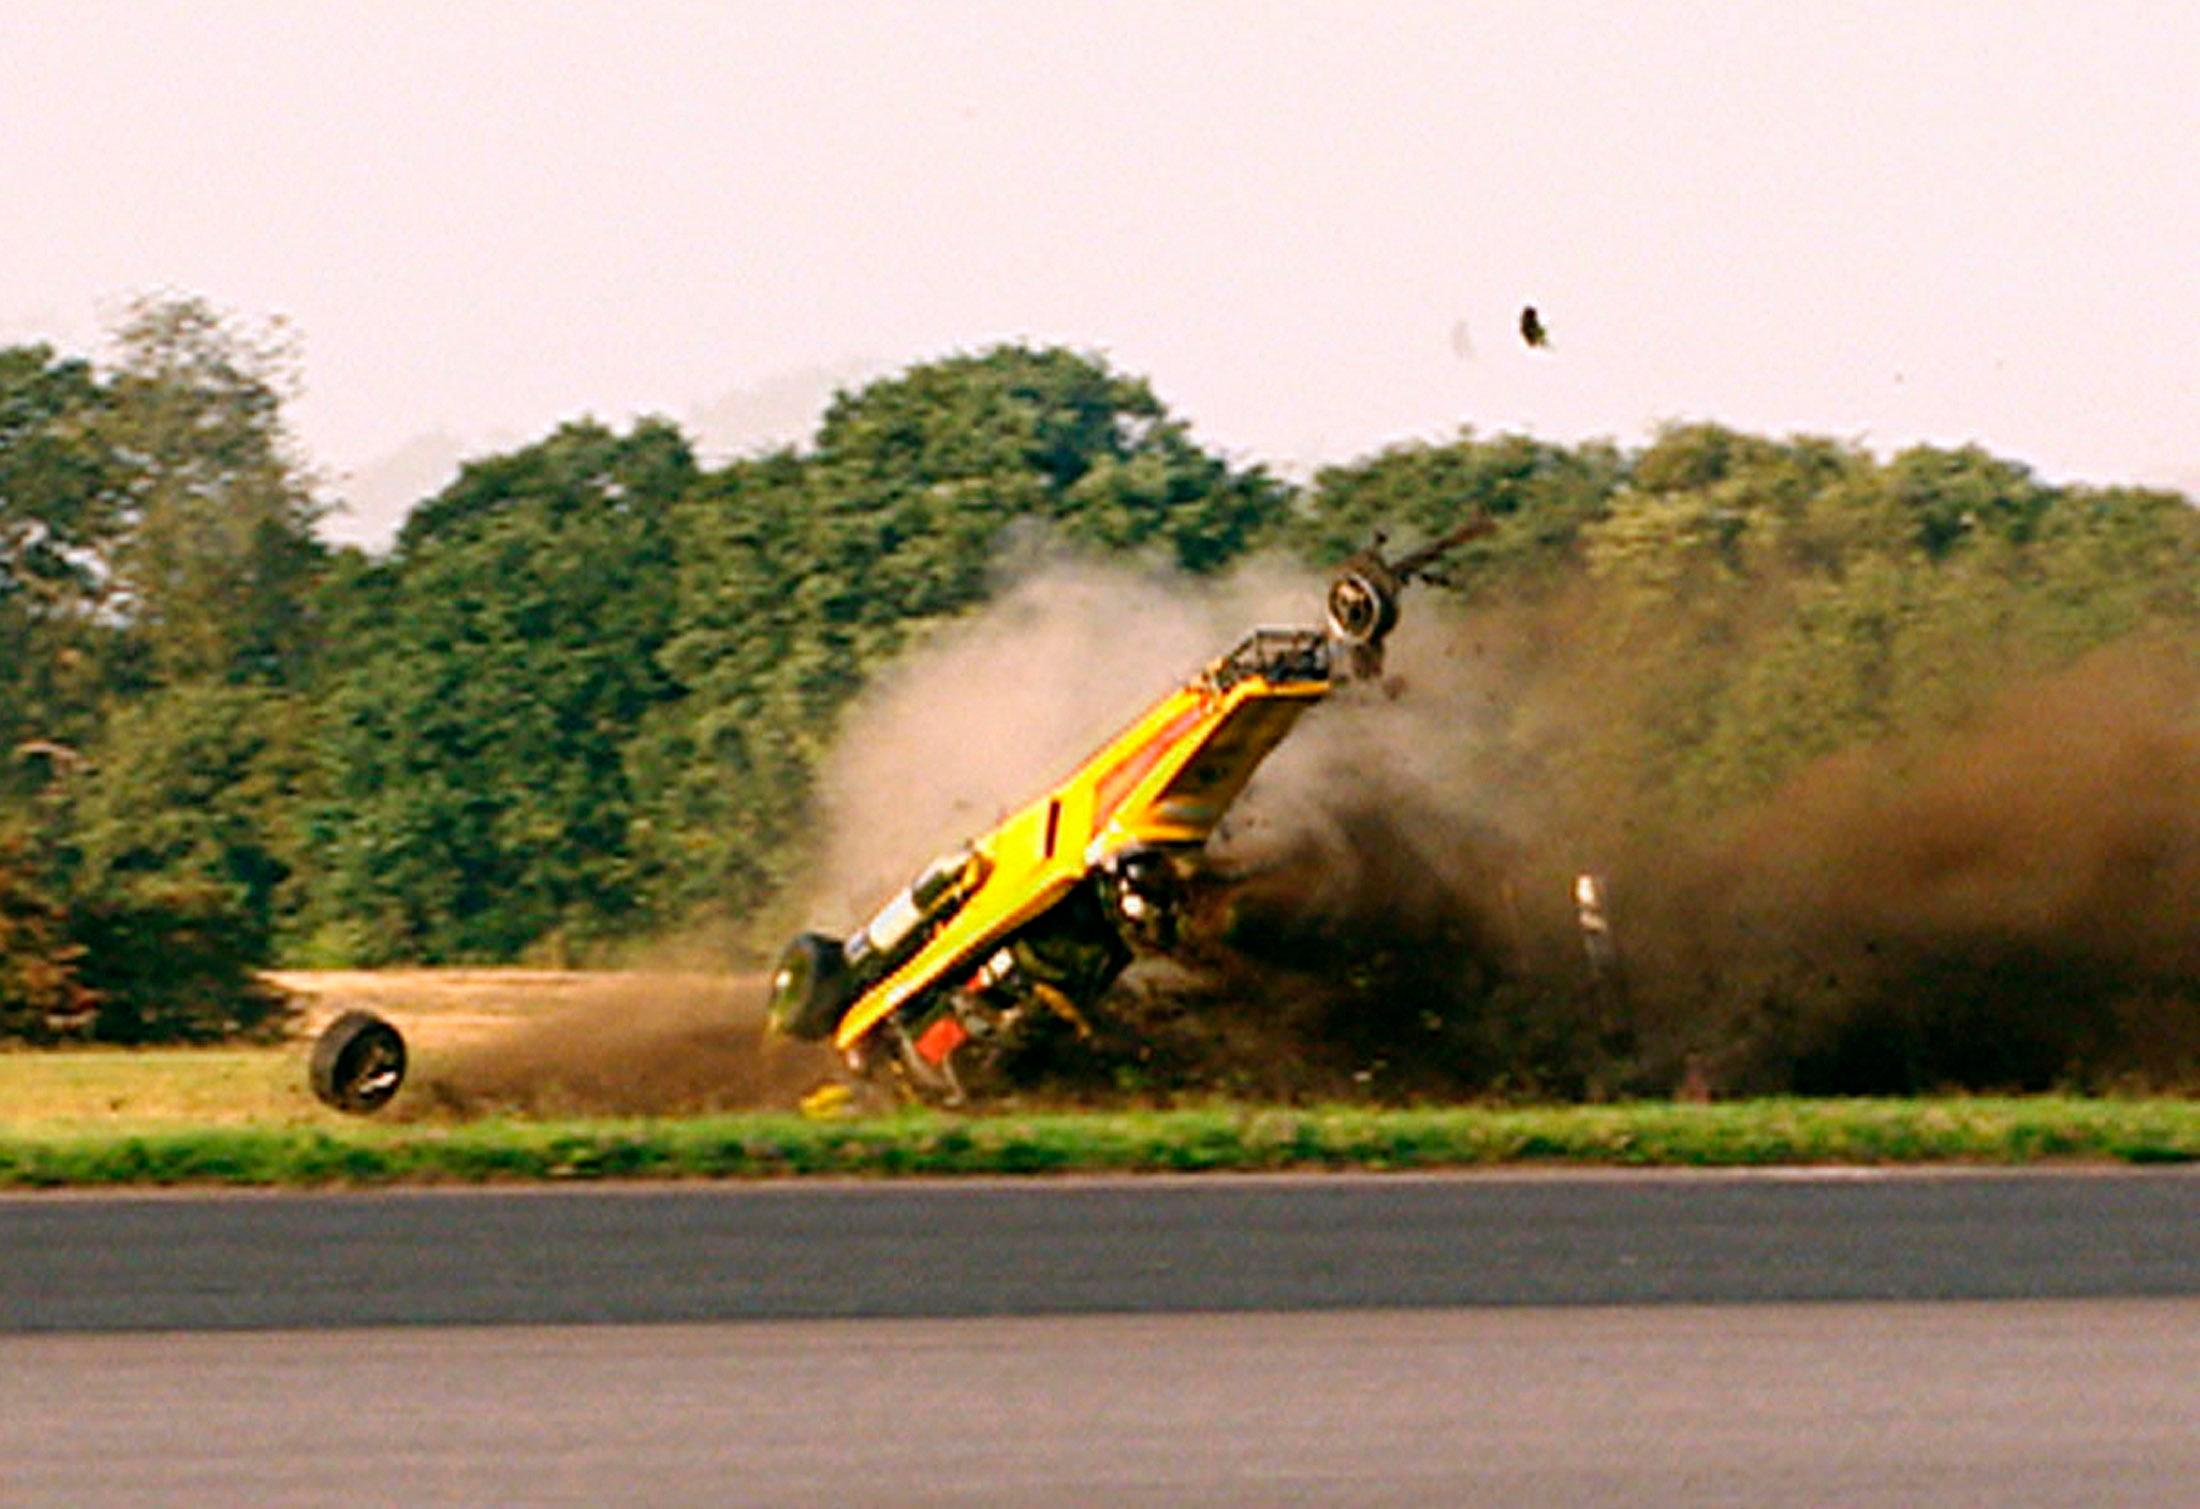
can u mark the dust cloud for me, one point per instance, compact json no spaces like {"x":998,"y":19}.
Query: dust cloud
{"x":995,"y":708}
{"x":655,"y":1043}
{"x":981,"y":717}
{"x":2015,"y":904}
{"x":1388,"y":910}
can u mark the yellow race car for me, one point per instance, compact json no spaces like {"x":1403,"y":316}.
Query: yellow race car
{"x":1040,"y":915}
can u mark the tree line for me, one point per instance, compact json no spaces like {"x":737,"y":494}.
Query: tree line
{"x":584,"y":697}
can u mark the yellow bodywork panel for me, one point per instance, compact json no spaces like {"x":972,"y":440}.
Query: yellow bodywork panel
{"x":1165,"y":781}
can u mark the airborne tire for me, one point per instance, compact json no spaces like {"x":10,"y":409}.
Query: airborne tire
{"x":358,"y":1063}
{"x":810,"y":987}
{"x":1363,"y":605}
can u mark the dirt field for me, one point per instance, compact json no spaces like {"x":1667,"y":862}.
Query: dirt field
{"x":533,"y":1041}
{"x":440,"y":1009}
{"x":572,"y":1042}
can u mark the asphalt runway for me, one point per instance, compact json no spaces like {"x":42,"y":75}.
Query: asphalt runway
{"x":1844,"y":1338}
{"x":2008,"y":1403}
{"x":701,"y":1253}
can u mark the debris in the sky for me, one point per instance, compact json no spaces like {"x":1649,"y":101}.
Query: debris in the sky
{"x":1531,"y":328}
{"x":1462,"y":344}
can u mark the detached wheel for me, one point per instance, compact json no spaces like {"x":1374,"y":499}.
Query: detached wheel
{"x":810,"y":987}
{"x":1363,"y":605}
{"x":358,"y":1063}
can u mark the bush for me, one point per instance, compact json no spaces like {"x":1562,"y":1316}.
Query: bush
{"x":173,"y":965}
{"x":41,"y":998}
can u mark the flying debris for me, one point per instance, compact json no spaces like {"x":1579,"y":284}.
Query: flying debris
{"x":1531,"y":328}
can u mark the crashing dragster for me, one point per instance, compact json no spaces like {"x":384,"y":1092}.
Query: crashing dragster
{"x":1037,"y":917}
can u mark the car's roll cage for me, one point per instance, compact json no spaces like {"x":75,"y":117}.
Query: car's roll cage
{"x":1277,"y":654}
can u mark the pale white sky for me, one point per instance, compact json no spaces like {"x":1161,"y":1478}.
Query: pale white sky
{"x":1889,"y":222}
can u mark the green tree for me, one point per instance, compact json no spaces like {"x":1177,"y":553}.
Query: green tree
{"x":203,"y":786}
{"x":218,"y":559}
{"x":474,"y":742}
{"x":156,"y":570}
{"x":2116,"y":561}
{"x":61,"y":508}
{"x":944,"y":455}
{"x":1540,"y":497}
{"x":165,"y":964}
{"x":1770,"y":603}
{"x":41,"y":998}
{"x":768,"y":642}
{"x":802,"y":574}
{"x":1949,"y":494}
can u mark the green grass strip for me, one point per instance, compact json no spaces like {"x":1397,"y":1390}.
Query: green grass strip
{"x":1221,"y":1137}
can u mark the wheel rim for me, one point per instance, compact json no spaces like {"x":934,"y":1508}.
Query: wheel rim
{"x":372,"y":1072}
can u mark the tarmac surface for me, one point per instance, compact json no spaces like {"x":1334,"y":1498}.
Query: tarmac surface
{"x":2025,"y":1338}
{"x":671,"y":1252}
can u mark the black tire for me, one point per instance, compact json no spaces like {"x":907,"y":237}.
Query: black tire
{"x":358,"y":1063}
{"x":1363,"y":605}
{"x":810,"y":987}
